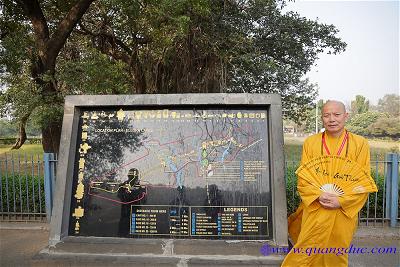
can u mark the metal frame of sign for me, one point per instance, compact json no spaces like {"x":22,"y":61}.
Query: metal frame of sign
{"x":65,"y":168}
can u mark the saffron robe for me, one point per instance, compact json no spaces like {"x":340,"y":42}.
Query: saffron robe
{"x":313,"y":226}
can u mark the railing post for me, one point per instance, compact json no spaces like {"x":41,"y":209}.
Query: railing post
{"x":392,"y":189}
{"x":48,"y":183}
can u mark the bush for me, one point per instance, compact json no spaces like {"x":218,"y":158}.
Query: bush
{"x":292,"y":196}
{"x":378,"y":197}
{"x":28,"y":191}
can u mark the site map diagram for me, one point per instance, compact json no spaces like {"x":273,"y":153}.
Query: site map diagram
{"x":172,"y":172}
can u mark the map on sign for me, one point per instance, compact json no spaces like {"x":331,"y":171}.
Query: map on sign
{"x":172,"y":172}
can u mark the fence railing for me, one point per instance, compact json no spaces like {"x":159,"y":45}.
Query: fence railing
{"x":28,"y":182}
{"x":22,"y":191}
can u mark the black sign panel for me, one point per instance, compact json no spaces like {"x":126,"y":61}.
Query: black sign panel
{"x":174,"y":173}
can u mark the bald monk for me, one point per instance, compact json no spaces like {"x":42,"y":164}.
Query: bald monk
{"x":325,"y":221}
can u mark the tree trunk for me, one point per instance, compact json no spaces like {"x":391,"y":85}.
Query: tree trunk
{"x":21,"y":133}
{"x":139,"y":78}
{"x":48,"y":47}
{"x":51,"y":135}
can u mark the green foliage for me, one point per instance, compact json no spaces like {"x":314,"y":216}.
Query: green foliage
{"x":375,"y":124}
{"x":212,"y":46}
{"x":153,"y":46}
{"x":7,"y":128}
{"x":375,"y":200}
{"x":16,"y":43}
{"x":360,"y":105}
{"x":292,"y":196}
{"x":24,"y":192}
{"x":21,"y":96}
{"x":92,"y":72}
{"x":359,"y":123}
{"x":10,"y":129}
{"x":310,"y":118}
{"x":384,"y":127}
{"x":390,"y":104}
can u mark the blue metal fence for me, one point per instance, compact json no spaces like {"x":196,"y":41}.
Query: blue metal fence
{"x":28,"y":182}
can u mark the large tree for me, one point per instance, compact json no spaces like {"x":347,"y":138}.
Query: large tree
{"x":45,"y":41}
{"x":149,"y":46}
{"x":390,"y":104}
{"x":213,"y":46}
{"x":360,"y":105}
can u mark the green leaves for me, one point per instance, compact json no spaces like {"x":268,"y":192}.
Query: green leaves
{"x":360,"y":105}
{"x":385,"y":127}
{"x":169,"y":46}
{"x":382,"y":122}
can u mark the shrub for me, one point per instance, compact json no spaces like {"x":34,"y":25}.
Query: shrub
{"x":292,"y":196}
{"x":22,"y":194}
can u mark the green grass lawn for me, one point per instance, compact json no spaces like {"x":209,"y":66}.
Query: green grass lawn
{"x":28,"y":149}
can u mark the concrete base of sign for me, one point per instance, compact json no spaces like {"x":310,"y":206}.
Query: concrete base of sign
{"x":169,"y":252}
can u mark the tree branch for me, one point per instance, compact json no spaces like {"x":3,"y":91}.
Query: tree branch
{"x":110,"y":37}
{"x":65,"y":28}
{"x":34,"y":13}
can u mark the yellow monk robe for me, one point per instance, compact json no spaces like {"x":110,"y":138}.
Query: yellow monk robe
{"x":313,"y":226}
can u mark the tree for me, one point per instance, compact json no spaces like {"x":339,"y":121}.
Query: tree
{"x":359,"y":105}
{"x":390,"y":104}
{"x":385,"y":127}
{"x":360,"y":123}
{"x":313,"y":118}
{"x":154,"y":47}
{"x":44,"y":44}
{"x":213,"y":46}
{"x":7,"y":128}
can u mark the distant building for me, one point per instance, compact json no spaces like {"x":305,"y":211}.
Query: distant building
{"x":289,"y":130}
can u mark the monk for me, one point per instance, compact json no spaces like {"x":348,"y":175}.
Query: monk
{"x":325,"y":221}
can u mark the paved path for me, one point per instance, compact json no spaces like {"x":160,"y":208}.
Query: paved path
{"x":21,"y":243}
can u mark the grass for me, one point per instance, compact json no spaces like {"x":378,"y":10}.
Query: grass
{"x":28,"y":149}
{"x":27,"y":159}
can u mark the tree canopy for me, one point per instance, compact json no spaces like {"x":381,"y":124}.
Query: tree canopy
{"x":390,"y":104}
{"x":359,"y":105}
{"x":381,"y":122}
{"x":52,"y":48}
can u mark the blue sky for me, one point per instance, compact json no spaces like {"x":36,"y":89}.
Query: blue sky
{"x":370,"y":64}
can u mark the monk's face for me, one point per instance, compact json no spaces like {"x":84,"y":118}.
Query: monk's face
{"x":334,"y":117}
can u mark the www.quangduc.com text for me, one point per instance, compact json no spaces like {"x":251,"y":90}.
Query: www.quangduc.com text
{"x":268,"y":250}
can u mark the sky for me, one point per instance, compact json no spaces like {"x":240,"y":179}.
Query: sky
{"x":370,"y":64}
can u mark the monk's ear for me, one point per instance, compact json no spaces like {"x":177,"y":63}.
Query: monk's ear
{"x":346,"y":116}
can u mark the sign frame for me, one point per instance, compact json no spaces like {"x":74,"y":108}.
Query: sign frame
{"x":65,"y":166}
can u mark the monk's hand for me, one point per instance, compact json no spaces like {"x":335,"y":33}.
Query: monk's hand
{"x":329,"y":201}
